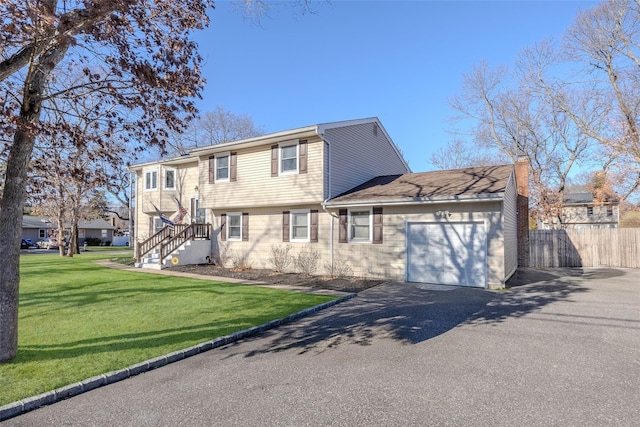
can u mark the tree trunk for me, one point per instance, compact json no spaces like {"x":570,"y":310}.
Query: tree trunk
{"x":60,"y":235}
{"x":13,"y":197}
{"x":73,"y":239}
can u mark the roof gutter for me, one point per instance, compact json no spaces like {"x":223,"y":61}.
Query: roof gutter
{"x":166,"y":162}
{"x":271,"y":138}
{"x":417,"y":201}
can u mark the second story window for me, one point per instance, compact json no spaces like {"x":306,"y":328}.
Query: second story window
{"x":151,"y":180}
{"x":222,"y":168}
{"x":289,"y":159}
{"x":170,"y":179}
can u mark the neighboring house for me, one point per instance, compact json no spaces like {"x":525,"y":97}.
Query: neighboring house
{"x":36,"y":227}
{"x":580,"y":210}
{"x":119,"y":223}
{"x":95,"y":228}
{"x":342,"y":191}
{"x":39,"y":228}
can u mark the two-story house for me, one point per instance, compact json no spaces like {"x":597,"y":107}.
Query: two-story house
{"x":343,"y":191}
{"x":580,"y":210}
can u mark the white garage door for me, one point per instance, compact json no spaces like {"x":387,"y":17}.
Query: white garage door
{"x":447,"y":253}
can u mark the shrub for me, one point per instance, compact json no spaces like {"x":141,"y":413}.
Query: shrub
{"x":339,"y":269}
{"x":93,"y":241}
{"x":307,"y":260}
{"x":280,"y":259}
{"x":239,"y":261}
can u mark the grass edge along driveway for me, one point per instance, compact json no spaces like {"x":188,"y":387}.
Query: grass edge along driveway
{"x":78,"y":319}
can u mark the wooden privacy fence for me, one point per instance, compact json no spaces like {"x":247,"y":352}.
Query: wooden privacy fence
{"x":603,"y":247}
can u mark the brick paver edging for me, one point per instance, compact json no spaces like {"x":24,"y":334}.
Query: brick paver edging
{"x":29,"y":404}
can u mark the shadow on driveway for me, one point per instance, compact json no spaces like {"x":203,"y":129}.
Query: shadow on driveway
{"x":412,"y":313}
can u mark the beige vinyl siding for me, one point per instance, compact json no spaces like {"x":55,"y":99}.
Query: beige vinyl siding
{"x":142,"y":220}
{"x":265,"y":231}
{"x":186,"y":176}
{"x":388,"y":260}
{"x":577,"y":216}
{"x":186,"y":184}
{"x":256,"y":187}
{"x":357,"y":155}
{"x":510,"y":228}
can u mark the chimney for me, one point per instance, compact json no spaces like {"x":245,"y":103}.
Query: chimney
{"x":522,"y":209}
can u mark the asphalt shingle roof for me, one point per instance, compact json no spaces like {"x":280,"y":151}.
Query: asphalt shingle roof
{"x":431,"y":185}
{"x":33,"y":221}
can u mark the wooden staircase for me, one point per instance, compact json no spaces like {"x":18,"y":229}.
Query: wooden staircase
{"x":156,"y":250}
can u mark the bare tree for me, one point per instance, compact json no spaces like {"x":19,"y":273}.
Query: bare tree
{"x":600,"y":93}
{"x":213,"y":127}
{"x":149,"y":67}
{"x":67,"y":170}
{"x":220,"y":125}
{"x":606,"y":41}
{"x":520,"y":121}
{"x":460,"y":154}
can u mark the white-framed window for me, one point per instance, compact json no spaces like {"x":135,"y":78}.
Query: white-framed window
{"x":234,"y":226}
{"x":589,"y":211}
{"x":300,"y":226}
{"x":360,"y":227}
{"x":42,"y":233}
{"x":222,"y":167}
{"x":288,"y":158}
{"x":81,"y":234}
{"x":169,"y":179}
{"x":151,"y":180}
{"x":103,"y":233}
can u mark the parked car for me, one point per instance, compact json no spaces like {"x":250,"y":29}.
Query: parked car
{"x":26,"y":244}
{"x":48,"y":244}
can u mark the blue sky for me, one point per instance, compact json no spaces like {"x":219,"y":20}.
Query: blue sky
{"x":398,"y":60}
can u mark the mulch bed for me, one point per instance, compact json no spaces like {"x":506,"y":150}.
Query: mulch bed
{"x":294,"y":279}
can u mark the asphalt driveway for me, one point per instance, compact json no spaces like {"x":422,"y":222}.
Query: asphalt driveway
{"x":563,"y":349}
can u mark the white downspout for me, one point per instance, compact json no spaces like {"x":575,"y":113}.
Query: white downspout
{"x":324,"y":207}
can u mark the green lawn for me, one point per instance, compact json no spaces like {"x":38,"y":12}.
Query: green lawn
{"x":78,"y":319}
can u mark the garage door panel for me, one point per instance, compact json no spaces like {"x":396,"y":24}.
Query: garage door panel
{"x":449,"y":253}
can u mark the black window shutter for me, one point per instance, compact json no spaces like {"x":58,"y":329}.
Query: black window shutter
{"x":377,"y":225}
{"x":313,"y":236}
{"x":285,"y":226}
{"x":245,"y":226}
{"x":223,"y":227}
{"x":274,"y":160}
{"x":233,"y":167}
{"x":342,"y":228}
{"x":302,"y":161}
{"x":212,"y":169}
